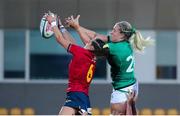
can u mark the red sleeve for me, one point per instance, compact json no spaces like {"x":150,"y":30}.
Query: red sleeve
{"x":73,"y":49}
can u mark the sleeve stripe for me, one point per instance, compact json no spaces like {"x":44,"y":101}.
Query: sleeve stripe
{"x":68,"y":47}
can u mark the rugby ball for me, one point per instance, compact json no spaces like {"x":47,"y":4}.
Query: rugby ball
{"x":45,"y":28}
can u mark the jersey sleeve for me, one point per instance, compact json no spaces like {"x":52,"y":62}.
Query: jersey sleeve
{"x":71,"y":49}
{"x":74,"y":49}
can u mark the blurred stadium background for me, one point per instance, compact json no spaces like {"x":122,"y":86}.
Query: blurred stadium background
{"x":33,"y":71}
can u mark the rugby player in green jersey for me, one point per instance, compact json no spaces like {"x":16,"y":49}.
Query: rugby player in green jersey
{"x":124,"y":39}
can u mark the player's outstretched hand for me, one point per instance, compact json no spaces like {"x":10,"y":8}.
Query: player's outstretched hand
{"x":73,"y":22}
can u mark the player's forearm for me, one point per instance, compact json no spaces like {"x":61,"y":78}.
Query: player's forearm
{"x":83,"y":35}
{"x":92,"y":34}
{"x":66,"y":34}
{"x":89,"y":32}
{"x":59,"y":37}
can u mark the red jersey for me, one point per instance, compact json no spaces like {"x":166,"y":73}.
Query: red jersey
{"x":81,"y":69}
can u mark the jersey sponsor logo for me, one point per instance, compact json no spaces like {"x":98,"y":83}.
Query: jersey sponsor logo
{"x":90,"y":73}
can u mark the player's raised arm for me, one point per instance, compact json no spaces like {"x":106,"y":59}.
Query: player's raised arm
{"x":64,"y":32}
{"x":52,"y":19}
{"x":85,"y":34}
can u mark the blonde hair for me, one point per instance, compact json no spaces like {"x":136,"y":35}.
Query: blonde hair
{"x":139,"y":43}
{"x":134,"y":37}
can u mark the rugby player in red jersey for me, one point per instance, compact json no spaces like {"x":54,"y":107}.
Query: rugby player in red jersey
{"x":81,"y":69}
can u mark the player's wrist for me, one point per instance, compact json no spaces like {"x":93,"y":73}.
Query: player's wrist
{"x":77,"y":27}
{"x":62,"y":28}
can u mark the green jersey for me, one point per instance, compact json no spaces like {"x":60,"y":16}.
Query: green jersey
{"x":121,"y":59}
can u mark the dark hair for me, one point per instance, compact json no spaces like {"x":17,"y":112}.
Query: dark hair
{"x":98,"y":44}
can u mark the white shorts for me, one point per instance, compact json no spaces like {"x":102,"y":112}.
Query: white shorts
{"x":118,"y":96}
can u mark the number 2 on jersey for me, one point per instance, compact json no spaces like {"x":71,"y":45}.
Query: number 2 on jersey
{"x":131,"y":65}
